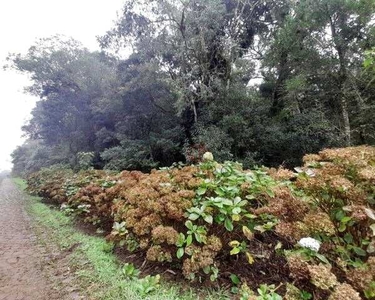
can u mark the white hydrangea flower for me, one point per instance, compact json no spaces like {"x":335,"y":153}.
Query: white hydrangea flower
{"x":310,"y":243}
{"x":208,"y":156}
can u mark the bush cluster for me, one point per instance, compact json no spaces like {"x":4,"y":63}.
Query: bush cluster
{"x":209,"y":218}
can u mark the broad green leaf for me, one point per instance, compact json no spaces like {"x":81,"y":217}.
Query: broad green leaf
{"x":193,"y":216}
{"x":235,"y":251}
{"x":189,"y":224}
{"x":342,"y":227}
{"x":181,"y":240}
{"x":208,"y":219}
{"x":345,"y":219}
{"x":234,"y":278}
{"x":339,"y":215}
{"x":180,"y":252}
{"x":322,"y":258}
{"x":201,"y":191}
{"x":228,"y":224}
{"x":250,"y":216}
{"x":348,"y":238}
{"x":219,"y":218}
{"x":236,"y":210}
{"x":359,"y":251}
{"x":227,"y":202}
{"x":198,"y":237}
{"x":236,"y":200}
{"x":189,"y":240}
{"x":207,"y":270}
{"x":242,"y":203}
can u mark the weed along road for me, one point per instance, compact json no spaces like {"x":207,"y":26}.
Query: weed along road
{"x":21,"y":259}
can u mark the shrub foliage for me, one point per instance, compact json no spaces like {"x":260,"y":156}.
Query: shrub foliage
{"x":216,"y":221}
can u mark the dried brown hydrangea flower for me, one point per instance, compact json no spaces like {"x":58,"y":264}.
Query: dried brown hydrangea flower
{"x":319,"y":222}
{"x":298,"y":267}
{"x":344,"y":291}
{"x":322,"y":276}
{"x":164,"y":234}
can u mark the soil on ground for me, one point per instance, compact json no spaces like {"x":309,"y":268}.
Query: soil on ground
{"x":24,"y":270}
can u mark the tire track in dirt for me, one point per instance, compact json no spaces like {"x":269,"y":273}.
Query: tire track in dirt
{"x":21,"y":259}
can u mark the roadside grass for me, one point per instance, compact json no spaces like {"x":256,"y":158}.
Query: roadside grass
{"x":97,"y":270}
{"x":20,"y":183}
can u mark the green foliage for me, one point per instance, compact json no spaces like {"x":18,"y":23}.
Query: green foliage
{"x":130,"y":272}
{"x":369,"y":62}
{"x":370,"y":291}
{"x":119,"y":229}
{"x":309,"y":255}
{"x":131,"y":157}
{"x":99,"y":272}
{"x":265,"y":292}
{"x":268,"y":292}
{"x":147,"y":285}
{"x":213,"y":271}
{"x":189,"y":85}
{"x":33,"y":156}
{"x":305,"y":295}
{"x":85,"y":160}
{"x":336,"y":188}
{"x":204,"y":218}
{"x":222,"y":195}
{"x":197,"y":233}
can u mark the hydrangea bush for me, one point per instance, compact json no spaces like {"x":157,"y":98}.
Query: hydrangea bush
{"x":313,"y":227}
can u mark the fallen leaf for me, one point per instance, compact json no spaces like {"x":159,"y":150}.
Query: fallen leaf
{"x":250,"y":258}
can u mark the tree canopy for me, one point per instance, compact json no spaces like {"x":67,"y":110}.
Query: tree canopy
{"x":260,"y":82}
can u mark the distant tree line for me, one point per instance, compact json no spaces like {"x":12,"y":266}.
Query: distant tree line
{"x":260,"y":82}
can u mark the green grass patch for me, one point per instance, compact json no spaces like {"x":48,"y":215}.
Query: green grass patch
{"x":20,"y":183}
{"x":99,"y":273}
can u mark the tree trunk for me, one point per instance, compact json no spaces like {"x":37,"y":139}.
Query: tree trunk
{"x":194,"y":111}
{"x":343,"y":77}
{"x":345,"y":117}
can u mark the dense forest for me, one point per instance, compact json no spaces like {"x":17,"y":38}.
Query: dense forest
{"x":259,"y":82}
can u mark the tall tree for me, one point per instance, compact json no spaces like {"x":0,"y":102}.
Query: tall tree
{"x":188,"y":84}
{"x":66,"y":77}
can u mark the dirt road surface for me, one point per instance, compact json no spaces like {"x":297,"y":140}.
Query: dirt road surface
{"x":21,"y":259}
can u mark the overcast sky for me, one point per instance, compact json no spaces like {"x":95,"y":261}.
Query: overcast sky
{"x":21,"y":23}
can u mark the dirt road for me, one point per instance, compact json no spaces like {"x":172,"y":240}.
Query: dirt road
{"x":21,"y":259}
